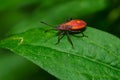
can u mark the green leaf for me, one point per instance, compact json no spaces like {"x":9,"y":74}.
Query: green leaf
{"x":94,"y":58}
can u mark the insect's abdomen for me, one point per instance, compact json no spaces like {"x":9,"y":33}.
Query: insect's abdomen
{"x":72,"y":25}
{"x":77,"y":24}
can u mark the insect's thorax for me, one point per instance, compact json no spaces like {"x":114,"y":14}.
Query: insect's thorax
{"x":64,"y":27}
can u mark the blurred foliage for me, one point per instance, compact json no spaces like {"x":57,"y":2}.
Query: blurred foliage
{"x":20,"y":15}
{"x":14,"y":67}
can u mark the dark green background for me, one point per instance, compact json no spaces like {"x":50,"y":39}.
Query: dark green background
{"x":17,"y":16}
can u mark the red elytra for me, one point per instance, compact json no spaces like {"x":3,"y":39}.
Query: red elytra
{"x":70,"y":27}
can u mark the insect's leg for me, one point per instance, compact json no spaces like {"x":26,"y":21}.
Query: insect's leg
{"x":60,"y":36}
{"x":68,"y":37}
{"x":75,"y":33}
{"x":83,"y":35}
{"x":69,"y":19}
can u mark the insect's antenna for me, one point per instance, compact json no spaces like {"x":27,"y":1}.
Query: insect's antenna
{"x":46,"y":23}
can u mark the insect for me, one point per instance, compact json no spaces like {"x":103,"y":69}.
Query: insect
{"x":68,"y":28}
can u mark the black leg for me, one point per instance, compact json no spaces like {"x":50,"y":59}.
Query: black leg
{"x":68,"y":37}
{"x":60,"y":36}
{"x":83,"y":35}
{"x":69,"y":19}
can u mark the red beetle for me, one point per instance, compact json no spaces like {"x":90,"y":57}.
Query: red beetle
{"x":70,"y":27}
